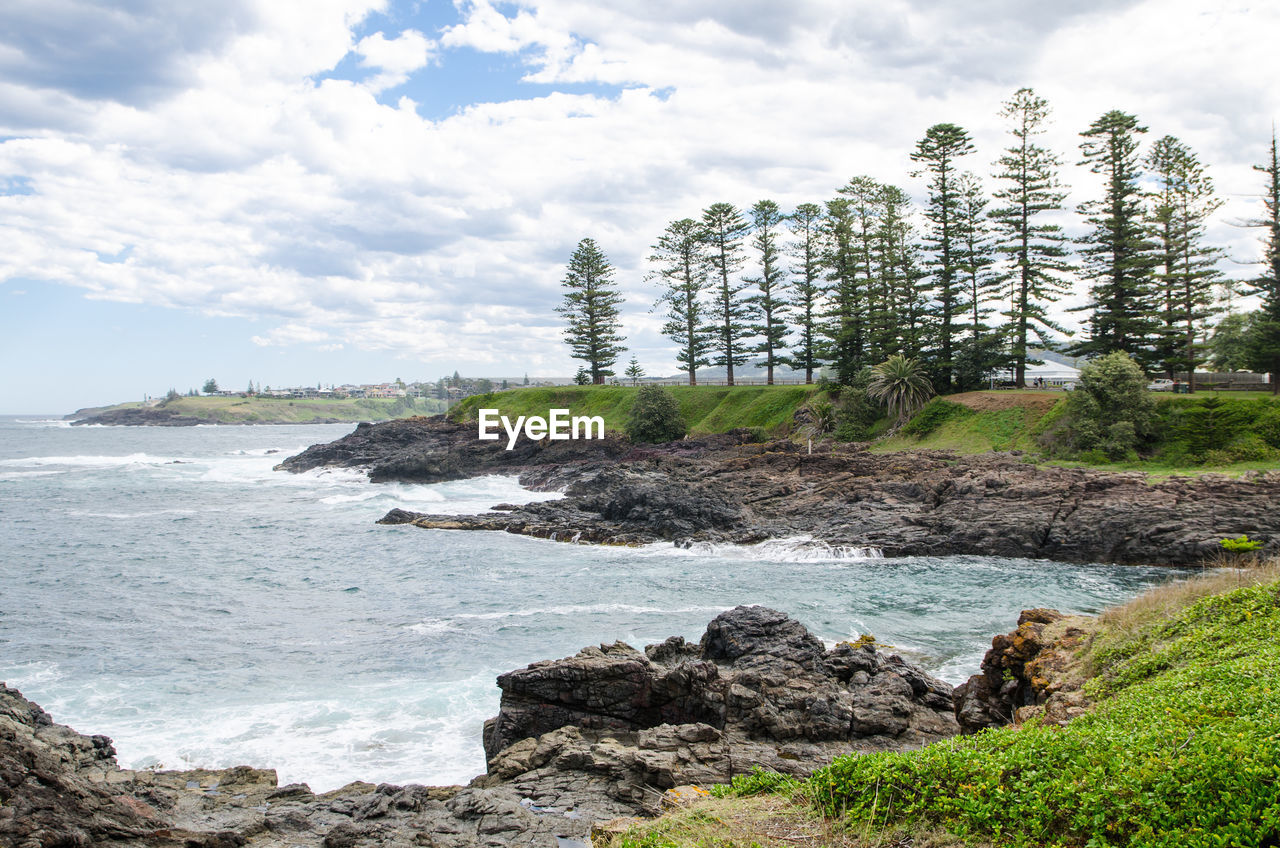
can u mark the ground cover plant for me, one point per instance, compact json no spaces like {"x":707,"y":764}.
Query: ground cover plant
{"x":1181,"y":749}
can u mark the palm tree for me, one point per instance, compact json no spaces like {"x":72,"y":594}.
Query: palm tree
{"x":901,"y":385}
{"x":822,"y":419}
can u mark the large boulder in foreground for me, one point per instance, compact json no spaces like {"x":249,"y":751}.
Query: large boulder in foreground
{"x":757,"y":690}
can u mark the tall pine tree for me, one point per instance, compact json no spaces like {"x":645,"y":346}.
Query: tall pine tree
{"x":981,"y":351}
{"x":806,"y":287}
{"x":682,"y":269}
{"x":1186,"y":268}
{"x":590,"y":308}
{"x":1263,"y":339}
{"x":771,"y":305}
{"x":1032,"y":248}
{"x":896,"y":258}
{"x":1118,"y":256}
{"x":723,"y":229}
{"x":937,"y":152}
{"x":846,"y":326}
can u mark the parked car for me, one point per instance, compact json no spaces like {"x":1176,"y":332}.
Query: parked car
{"x":1160,"y":385}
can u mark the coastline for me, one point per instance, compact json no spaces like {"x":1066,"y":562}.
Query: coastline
{"x":732,"y":489}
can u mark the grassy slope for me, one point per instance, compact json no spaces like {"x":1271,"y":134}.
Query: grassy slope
{"x":1009,"y":420}
{"x":264,"y":410}
{"x":1181,"y":749}
{"x":706,"y":409}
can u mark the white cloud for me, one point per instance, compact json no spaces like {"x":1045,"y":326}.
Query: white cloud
{"x":397,"y":58}
{"x":247,"y":188}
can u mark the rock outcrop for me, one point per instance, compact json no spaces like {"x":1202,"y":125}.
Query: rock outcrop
{"x":1034,"y":671}
{"x":728,"y":490}
{"x":590,"y":738}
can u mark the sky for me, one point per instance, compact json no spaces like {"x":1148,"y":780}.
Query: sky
{"x":328,"y":191}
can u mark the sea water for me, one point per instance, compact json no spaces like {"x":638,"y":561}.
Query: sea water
{"x":167,"y":588}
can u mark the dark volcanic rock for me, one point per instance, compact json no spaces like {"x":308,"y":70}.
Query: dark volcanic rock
{"x":926,"y":503}
{"x":763,"y":689}
{"x":1035,"y":670}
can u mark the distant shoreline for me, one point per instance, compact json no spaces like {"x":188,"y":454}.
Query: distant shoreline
{"x":188,"y":411}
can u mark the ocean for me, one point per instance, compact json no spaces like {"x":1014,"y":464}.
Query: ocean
{"x":167,"y":588}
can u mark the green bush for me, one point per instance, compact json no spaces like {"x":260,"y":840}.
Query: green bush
{"x":1240,"y":545}
{"x":857,"y":413}
{"x":1267,"y":425}
{"x":655,"y":417}
{"x":1111,"y":410}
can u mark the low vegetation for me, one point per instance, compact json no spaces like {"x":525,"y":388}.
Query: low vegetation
{"x":705,"y":409}
{"x":1182,"y":747}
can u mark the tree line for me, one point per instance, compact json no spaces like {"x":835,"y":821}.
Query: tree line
{"x":968,"y":291}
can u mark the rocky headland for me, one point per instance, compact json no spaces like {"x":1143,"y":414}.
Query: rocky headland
{"x":607,"y":733}
{"x":730,"y":489}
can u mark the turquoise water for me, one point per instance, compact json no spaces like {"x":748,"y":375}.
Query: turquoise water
{"x":167,"y":588}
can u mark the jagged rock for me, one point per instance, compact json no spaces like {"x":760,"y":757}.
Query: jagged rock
{"x":1035,"y":670}
{"x":759,"y":689}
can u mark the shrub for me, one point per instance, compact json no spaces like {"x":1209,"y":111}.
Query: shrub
{"x":1111,"y":409}
{"x":858,"y":413}
{"x":1241,"y":544}
{"x":820,"y":418}
{"x":655,"y":417}
{"x":1267,"y":426}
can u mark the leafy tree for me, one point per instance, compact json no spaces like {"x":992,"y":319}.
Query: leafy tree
{"x":1111,"y":410}
{"x":1229,"y":344}
{"x":210,"y":386}
{"x":723,"y":229}
{"x":682,"y":268}
{"x":806,"y":287}
{"x":1033,"y":248}
{"x":634,"y":372}
{"x":1186,"y":269}
{"x":1264,"y":326}
{"x":484,"y":385}
{"x":655,"y":417}
{"x":901,"y":384}
{"x":937,"y":152}
{"x":1118,"y":256}
{"x":771,"y":305}
{"x":591,"y":310}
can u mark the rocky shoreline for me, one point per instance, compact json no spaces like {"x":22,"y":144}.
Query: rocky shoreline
{"x":577,"y":742}
{"x":729,"y":489}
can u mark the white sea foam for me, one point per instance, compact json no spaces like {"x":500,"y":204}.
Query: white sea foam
{"x":791,"y":549}
{"x":395,"y":732}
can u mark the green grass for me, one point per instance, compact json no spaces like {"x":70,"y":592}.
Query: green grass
{"x":943,"y":425}
{"x":706,"y":409}
{"x":267,"y":410}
